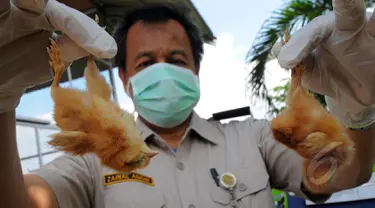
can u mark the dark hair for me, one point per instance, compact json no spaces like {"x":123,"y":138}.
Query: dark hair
{"x":158,"y":13}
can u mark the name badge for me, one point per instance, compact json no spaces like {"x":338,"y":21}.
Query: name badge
{"x":113,"y":178}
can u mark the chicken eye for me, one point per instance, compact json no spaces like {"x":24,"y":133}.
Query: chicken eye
{"x":137,"y":162}
{"x":140,"y":161}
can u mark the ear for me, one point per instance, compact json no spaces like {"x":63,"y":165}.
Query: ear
{"x":197,"y":70}
{"x":122,"y":75}
{"x":75,"y":142}
{"x":125,"y":78}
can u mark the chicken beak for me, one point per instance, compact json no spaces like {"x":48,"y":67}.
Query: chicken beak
{"x":151,"y":154}
{"x":147,"y":151}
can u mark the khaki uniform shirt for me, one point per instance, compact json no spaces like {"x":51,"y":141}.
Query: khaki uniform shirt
{"x":182,"y":179}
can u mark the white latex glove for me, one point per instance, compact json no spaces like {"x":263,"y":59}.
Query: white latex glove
{"x":338,"y":50}
{"x":25,"y":29}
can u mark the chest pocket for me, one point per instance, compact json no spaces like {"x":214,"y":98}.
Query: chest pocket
{"x":252,"y":189}
{"x":133,"y":195}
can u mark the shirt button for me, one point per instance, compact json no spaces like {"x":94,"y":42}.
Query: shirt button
{"x":180,"y":165}
{"x":191,"y":206}
{"x":242,"y":187}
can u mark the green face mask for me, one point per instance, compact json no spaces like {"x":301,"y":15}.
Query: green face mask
{"x":165,"y":94}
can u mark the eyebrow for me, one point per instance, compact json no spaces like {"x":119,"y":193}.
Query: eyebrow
{"x":149,"y":54}
{"x":179,"y":52}
{"x":143,"y":54}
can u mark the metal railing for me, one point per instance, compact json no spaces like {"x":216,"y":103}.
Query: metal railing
{"x":32,"y":137}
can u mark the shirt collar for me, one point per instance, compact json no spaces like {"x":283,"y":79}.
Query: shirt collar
{"x":206,"y":130}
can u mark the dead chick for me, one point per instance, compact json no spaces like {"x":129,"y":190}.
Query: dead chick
{"x":308,"y":128}
{"x":91,"y":122}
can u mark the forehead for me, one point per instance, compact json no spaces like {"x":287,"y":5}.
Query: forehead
{"x":156,"y":36}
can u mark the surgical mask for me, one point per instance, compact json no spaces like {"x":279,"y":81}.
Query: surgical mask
{"x":165,"y":94}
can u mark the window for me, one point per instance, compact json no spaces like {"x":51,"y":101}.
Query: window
{"x":26,"y":141}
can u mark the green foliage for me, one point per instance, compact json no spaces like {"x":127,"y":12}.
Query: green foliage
{"x":292,"y":15}
{"x":278,"y":96}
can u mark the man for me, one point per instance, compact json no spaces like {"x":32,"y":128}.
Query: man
{"x":159,"y":54}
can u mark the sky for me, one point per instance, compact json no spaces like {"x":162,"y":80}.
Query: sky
{"x":223,"y":69}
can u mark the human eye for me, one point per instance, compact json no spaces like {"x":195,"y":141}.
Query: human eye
{"x":178,"y":62}
{"x":145,"y":64}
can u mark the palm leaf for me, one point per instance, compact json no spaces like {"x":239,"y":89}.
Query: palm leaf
{"x":292,"y":16}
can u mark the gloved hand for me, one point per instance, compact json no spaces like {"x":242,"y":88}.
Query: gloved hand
{"x":25,"y":29}
{"x":338,"y":51}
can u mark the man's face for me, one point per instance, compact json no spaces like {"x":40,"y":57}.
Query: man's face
{"x":150,"y":43}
